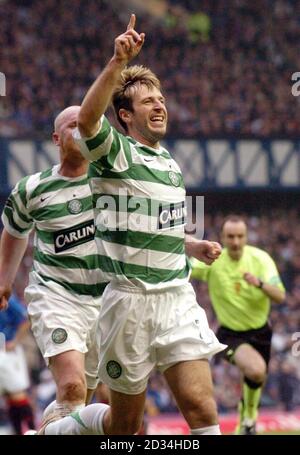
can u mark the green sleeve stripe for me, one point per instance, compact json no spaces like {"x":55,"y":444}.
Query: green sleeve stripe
{"x":9,"y":214}
{"x":90,"y":262}
{"x":22,"y":190}
{"x":59,"y":210}
{"x":119,"y":144}
{"x":94,"y":290}
{"x":19,"y":213}
{"x":142,"y":240}
{"x":100,"y":137}
{"x":108,"y":160}
{"x":147,"y":274}
{"x":55,"y":185}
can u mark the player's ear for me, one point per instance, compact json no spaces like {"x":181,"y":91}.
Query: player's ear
{"x":125,"y":115}
{"x":55,"y":139}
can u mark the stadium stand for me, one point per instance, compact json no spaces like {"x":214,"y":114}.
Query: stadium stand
{"x":237,"y":64}
{"x":238,"y":73}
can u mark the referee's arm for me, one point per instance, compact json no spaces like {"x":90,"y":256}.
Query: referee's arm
{"x":273,"y":292}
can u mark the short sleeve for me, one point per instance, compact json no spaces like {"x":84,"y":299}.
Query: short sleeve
{"x":96,"y":146}
{"x":108,"y":148}
{"x":270,"y":273}
{"x":15,"y":216}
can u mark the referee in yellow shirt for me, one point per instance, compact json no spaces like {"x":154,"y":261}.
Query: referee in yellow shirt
{"x":242,"y":283}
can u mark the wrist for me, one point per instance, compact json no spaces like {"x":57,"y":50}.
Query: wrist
{"x":260,"y":284}
{"x":118,"y":62}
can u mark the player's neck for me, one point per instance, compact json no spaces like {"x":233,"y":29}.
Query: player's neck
{"x":154,"y":144}
{"x":73,"y":169}
{"x":235,"y":257}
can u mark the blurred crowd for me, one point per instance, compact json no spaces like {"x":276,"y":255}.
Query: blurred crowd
{"x":226,"y":65}
{"x":278,"y":233}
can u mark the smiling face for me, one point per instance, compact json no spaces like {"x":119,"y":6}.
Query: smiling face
{"x":147,"y":122}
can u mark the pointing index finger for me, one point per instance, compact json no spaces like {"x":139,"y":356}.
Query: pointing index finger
{"x":131,"y":23}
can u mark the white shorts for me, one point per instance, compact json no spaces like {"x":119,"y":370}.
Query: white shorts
{"x":140,"y":331}
{"x":60,"y":323}
{"x":14,"y":376}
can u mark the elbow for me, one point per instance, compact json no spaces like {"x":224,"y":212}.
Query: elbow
{"x":281,"y":298}
{"x":86,"y":128}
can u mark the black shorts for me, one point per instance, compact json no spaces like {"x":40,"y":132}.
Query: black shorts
{"x":259,"y":339}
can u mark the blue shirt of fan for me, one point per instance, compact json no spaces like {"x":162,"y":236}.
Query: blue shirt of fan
{"x":12,"y":318}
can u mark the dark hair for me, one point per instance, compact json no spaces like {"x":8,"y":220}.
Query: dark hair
{"x":131,"y":77}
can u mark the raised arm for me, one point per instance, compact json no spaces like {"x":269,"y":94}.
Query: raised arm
{"x":12,"y":250}
{"x":98,"y":97}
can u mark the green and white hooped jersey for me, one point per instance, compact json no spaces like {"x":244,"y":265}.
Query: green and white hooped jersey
{"x":139,"y":205}
{"x":59,"y":209}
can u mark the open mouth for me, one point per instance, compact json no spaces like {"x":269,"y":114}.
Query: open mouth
{"x":157,"y":119}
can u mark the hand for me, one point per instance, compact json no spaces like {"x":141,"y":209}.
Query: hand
{"x":251,"y":279}
{"x":5,"y":292}
{"x":207,"y":251}
{"x":129,"y":44}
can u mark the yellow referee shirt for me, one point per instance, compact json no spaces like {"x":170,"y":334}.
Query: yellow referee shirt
{"x":238,"y":305}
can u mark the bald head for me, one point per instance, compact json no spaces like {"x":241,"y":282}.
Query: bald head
{"x":64,"y":125}
{"x":65,"y":116}
{"x":234,"y":236}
